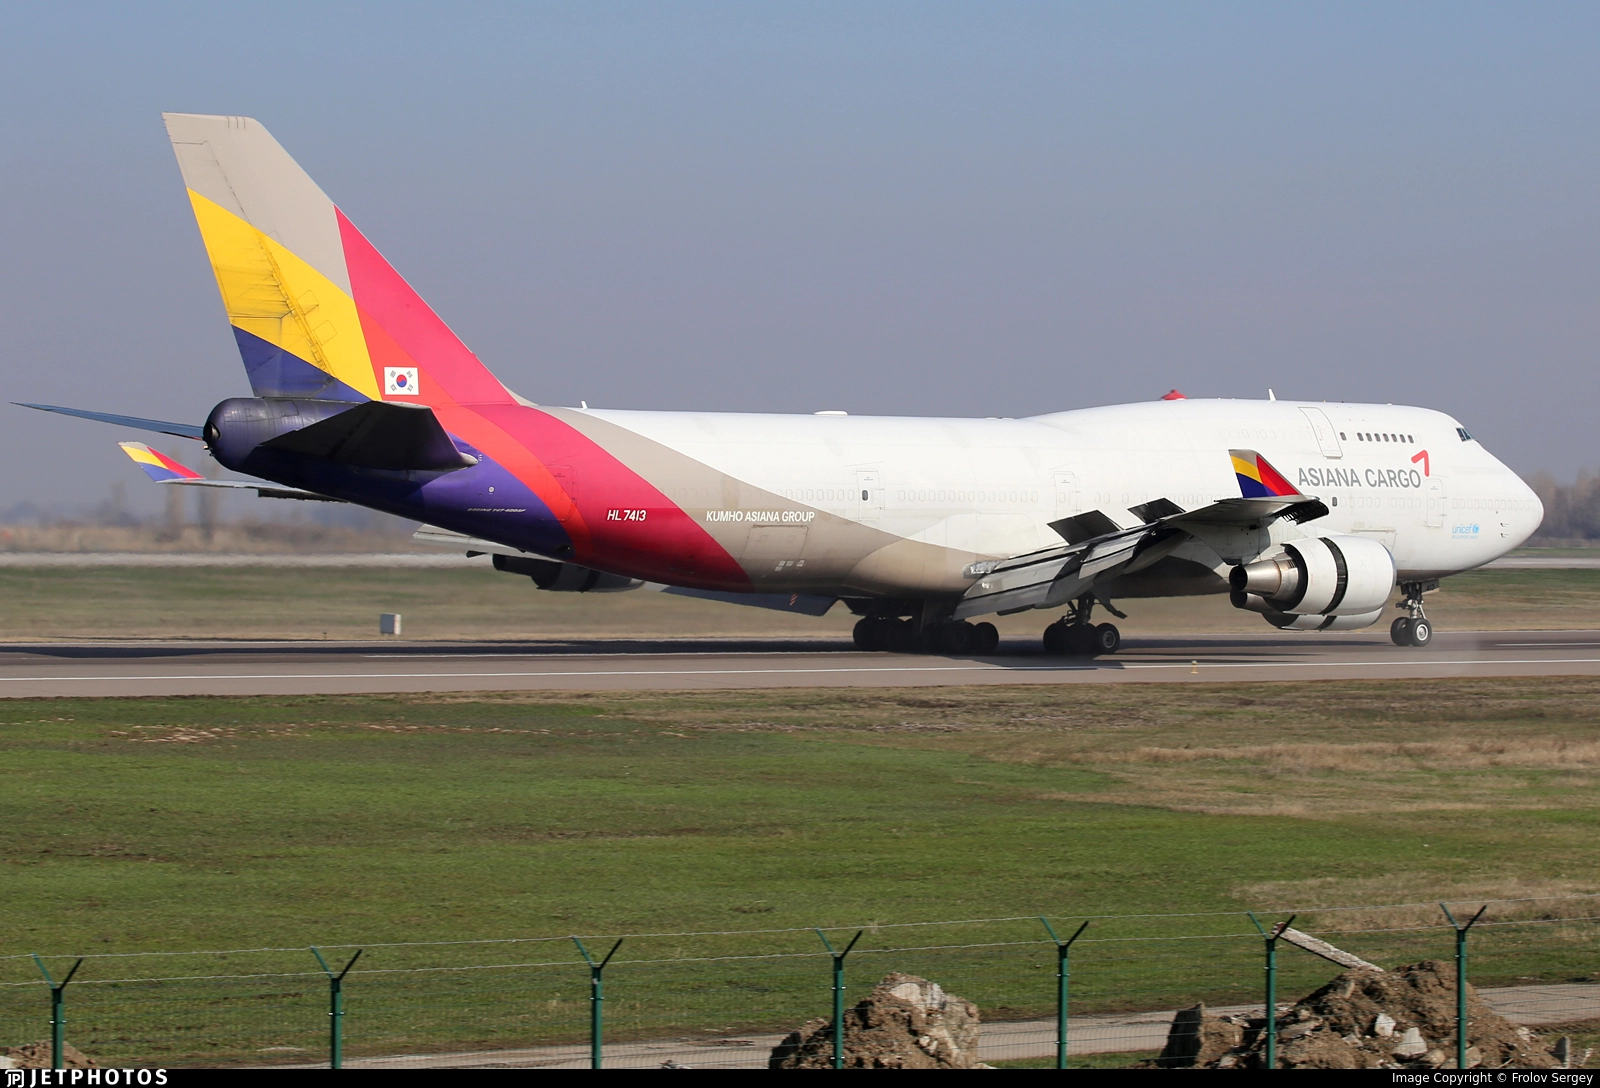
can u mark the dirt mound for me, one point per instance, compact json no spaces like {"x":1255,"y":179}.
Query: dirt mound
{"x":37,"y":1056}
{"x":1363,"y":1019}
{"x":905,"y":1023}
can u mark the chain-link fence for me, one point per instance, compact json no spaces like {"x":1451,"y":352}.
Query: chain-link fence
{"x":726,"y":998}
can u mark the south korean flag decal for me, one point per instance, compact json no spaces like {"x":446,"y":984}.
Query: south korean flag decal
{"x":400,"y":381}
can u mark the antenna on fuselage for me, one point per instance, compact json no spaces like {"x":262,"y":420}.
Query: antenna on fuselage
{"x":1271,"y":395}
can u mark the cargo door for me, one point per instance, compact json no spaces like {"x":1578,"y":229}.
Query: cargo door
{"x":1066,"y":495}
{"x":869,"y":496}
{"x":1434,"y":490}
{"x":1327,"y":437}
{"x":567,"y":480}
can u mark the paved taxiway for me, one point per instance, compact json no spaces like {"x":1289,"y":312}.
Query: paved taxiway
{"x":1535,"y":1006}
{"x":294,"y":668}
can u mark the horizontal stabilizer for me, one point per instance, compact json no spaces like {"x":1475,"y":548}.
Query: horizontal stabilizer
{"x":138,"y":423}
{"x":164,"y":470}
{"x":378,"y":434}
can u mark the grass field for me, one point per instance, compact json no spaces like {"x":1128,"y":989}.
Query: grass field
{"x":338,"y":603}
{"x":162,"y":823}
{"x":182,"y":824}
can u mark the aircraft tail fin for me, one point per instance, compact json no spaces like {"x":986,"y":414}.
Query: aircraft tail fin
{"x":315,"y":309}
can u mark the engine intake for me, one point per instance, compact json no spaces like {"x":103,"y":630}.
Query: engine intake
{"x":1321,"y":576}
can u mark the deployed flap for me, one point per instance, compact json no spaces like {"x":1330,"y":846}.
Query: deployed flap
{"x":378,"y":434}
{"x":1048,"y":578}
{"x":1085,"y":526}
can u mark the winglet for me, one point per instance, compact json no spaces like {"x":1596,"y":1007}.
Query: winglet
{"x":1259,"y":480}
{"x":158,"y":466}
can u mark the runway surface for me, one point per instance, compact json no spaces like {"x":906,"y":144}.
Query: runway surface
{"x":294,"y":668}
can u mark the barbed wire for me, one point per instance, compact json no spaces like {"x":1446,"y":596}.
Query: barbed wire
{"x":871,"y":927}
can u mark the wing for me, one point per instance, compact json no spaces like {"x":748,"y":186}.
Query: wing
{"x":1097,"y":548}
{"x":164,"y":470}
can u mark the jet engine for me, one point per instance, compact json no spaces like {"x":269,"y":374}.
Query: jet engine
{"x":564,"y":577}
{"x":1321,"y":584}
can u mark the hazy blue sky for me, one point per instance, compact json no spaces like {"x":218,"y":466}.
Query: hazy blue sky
{"x":985,"y":209}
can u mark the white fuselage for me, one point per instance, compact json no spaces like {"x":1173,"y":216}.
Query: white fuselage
{"x":988,"y":488}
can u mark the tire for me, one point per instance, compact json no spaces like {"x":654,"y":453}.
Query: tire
{"x":1400,"y":631}
{"x":986,"y":639}
{"x":955,"y":638}
{"x":868,"y":634}
{"x":898,"y":637}
{"x":1421,"y":633}
{"x":1055,"y":639}
{"x":1106,"y":640}
{"x":1081,"y":640}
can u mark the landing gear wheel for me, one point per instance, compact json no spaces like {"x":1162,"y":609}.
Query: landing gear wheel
{"x":898,"y":637}
{"x":1055,"y":639}
{"x":956,"y":638}
{"x":868,"y":634}
{"x":1413,"y":629}
{"x":1082,"y":640}
{"x":985,"y":638}
{"x":1106,"y":639}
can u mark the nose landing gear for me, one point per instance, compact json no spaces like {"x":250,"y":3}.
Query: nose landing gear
{"x":1414,"y":628}
{"x":1073,"y":635}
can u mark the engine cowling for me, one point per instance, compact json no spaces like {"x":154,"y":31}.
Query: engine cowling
{"x":565,"y":577}
{"x":1285,"y":622}
{"x":1320,"y":576}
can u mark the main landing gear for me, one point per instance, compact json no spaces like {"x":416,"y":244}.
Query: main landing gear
{"x":1074,"y":635}
{"x":940,"y":637}
{"x":1414,"y":628}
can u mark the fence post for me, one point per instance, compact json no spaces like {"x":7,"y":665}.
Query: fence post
{"x":597,"y":997}
{"x":1461,"y":980}
{"x":58,"y":1012}
{"x":336,"y":1007}
{"x":1271,"y":938}
{"x":1063,"y":974}
{"x":838,"y":993}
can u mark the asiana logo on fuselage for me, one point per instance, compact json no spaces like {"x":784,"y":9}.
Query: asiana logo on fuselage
{"x":1349,"y":477}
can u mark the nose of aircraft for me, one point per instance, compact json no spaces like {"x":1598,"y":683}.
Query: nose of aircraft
{"x":1527,"y":515}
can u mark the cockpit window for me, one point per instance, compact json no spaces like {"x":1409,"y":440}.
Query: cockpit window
{"x":1462,"y":431}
